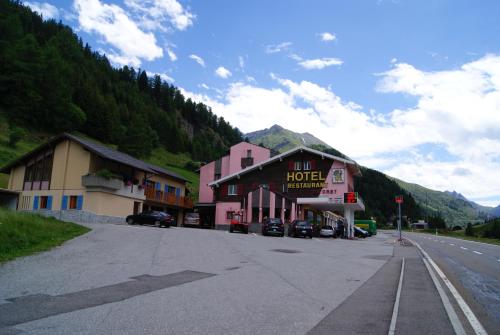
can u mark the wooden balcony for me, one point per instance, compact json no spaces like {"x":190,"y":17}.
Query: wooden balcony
{"x":167,"y":198}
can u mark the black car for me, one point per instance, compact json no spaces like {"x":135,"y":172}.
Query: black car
{"x":358,"y":232}
{"x":300,"y":228}
{"x":273,"y":227}
{"x":156,"y":218}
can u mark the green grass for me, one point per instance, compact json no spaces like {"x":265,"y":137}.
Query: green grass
{"x":461,"y":235}
{"x":23,"y":234}
{"x":176,"y":163}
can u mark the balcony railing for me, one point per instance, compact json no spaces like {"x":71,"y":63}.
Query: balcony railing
{"x":116,"y":186}
{"x":167,"y":198}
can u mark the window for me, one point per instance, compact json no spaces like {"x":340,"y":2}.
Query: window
{"x":45,"y":202}
{"x":298,"y":166}
{"x":229,"y":215}
{"x":232,"y":190}
{"x":73,"y":199}
{"x":25,"y":202}
{"x":217,"y":176}
{"x":38,"y":172}
{"x":307,"y":165}
{"x":249,"y":153}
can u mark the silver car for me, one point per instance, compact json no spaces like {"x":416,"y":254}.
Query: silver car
{"x":327,"y":231}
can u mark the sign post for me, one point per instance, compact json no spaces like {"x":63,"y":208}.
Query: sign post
{"x":399,"y":201}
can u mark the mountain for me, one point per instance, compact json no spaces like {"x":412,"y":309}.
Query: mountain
{"x":50,"y":81}
{"x":496,"y":211}
{"x":378,"y":189}
{"x":281,"y":139}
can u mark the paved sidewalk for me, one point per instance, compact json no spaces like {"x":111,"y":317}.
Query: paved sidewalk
{"x":369,"y":309}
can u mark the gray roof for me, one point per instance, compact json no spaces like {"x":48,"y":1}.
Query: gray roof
{"x":98,"y":149}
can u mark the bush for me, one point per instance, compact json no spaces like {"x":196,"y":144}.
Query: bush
{"x":104,"y":173}
{"x":15,"y":135}
{"x":192,"y":166}
{"x":468,"y":230}
{"x":493,"y":231}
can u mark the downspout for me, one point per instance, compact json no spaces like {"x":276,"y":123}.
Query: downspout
{"x":68,"y":143}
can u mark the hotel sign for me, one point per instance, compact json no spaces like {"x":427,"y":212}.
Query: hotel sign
{"x":305,"y":179}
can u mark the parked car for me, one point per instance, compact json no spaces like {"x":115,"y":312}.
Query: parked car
{"x":300,"y":228}
{"x":156,"y":218}
{"x":237,"y":224}
{"x":192,"y":220}
{"x":273,"y":227}
{"x":327,"y":231}
{"x":358,"y":232}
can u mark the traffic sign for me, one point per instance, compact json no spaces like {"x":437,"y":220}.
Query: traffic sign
{"x":399,"y":199}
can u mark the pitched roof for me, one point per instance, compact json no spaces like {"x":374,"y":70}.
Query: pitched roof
{"x":283,"y":155}
{"x":100,"y":150}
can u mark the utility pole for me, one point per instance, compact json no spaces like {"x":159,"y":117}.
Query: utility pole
{"x":399,"y":201}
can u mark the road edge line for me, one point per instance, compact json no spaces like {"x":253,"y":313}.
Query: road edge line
{"x":473,"y":321}
{"x":395,"y":310}
{"x":452,"y":315}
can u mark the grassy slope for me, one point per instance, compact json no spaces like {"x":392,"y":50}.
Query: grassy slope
{"x":22,"y":234}
{"x":281,"y":140}
{"x":454,"y":211}
{"x":478,"y":233}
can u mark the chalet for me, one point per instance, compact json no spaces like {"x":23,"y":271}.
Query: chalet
{"x":77,"y":179}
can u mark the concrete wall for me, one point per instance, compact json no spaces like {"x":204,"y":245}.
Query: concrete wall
{"x":239,"y":151}
{"x":220,"y":211}
{"x":107,"y":204}
{"x":16,"y":178}
{"x":206,"y":176}
{"x":335,"y":190}
{"x":224,"y":167}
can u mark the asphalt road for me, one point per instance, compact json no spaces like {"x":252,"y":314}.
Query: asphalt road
{"x":146,"y":280}
{"x":473,"y":268}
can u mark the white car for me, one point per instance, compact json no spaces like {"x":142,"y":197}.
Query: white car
{"x":327,"y":231}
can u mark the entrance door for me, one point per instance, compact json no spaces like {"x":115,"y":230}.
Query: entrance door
{"x":137,"y":205}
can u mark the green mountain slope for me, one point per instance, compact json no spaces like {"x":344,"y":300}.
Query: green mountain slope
{"x":281,"y":139}
{"x":456,"y":210}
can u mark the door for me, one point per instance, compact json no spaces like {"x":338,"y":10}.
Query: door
{"x":137,"y":205}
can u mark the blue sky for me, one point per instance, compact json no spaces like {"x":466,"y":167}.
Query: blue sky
{"x":411,"y":88}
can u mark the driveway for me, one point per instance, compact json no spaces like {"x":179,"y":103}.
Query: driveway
{"x":137,"y":280}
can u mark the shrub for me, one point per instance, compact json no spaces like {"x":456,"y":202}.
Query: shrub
{"x":104,"y":173}
{"x":468,"y":230}
{"x":192,"y":166}
{"x":15,"y":135}
{"x":493,"y":231}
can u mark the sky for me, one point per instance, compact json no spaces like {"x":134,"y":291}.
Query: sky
{"x":410,"y":88}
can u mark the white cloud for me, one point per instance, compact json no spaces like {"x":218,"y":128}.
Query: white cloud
{"x":328,"y":37}
{"x":223,"y":72}
{"x":197,"y":59}
{"x":162,"y":75}
{"x":45,"y":9}
{"x":171,"y":55}
{"x":205,"y":86}
{"x":155,"y":13}
{"x":457,"y":114}
{"x":111,"y":22}
{"x":275,"y":48}
{"x":241,"y":62}
{"x":320,"y":63}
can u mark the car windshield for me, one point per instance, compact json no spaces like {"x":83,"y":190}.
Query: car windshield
{"x":193,"y":215}
{"x":303,"y":224}
{"x":274,"y":221}
{"x":327,"y":228}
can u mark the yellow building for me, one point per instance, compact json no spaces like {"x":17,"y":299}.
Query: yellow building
{"x":77,"y":179}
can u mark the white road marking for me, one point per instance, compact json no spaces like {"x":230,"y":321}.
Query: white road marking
{"x":477,"y":252}
{"x":474,"y":322}
{"x":254,"y":234}
{"x":451,"y":244}
{"x":452,"y":315}
{"x":435,"y":240}
{"x":392,"y":328}
{"x":464,"y":248}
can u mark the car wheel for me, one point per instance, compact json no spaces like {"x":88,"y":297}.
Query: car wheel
{"x":130,"y":221}
{"x":230,"y":229}
{"x":245,"y":231}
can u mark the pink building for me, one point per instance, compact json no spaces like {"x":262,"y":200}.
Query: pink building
{"x":298,"y":184}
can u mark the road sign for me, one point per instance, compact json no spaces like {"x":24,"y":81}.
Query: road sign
{"x":351,"y":198}
{"x":399,"y":199}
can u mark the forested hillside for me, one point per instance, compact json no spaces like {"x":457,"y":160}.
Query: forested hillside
{"x":51,"y":81}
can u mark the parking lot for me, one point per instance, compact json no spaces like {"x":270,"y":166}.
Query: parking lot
{"x":135,"y":280}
